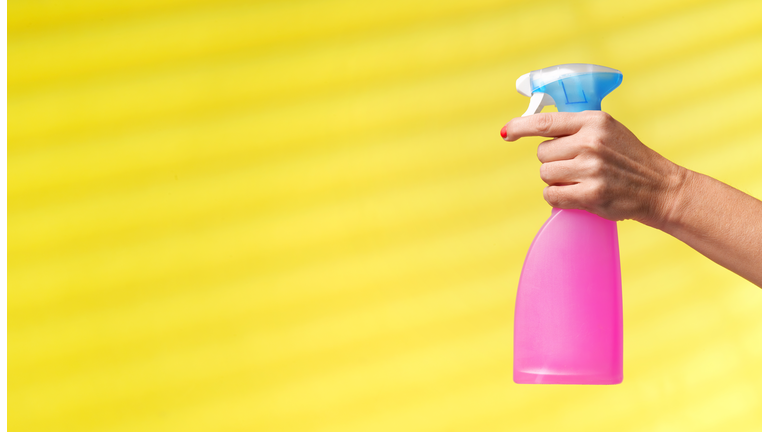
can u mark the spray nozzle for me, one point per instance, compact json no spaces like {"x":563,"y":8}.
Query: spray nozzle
{"x":570,"y":87}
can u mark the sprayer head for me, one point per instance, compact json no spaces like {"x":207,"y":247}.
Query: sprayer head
{"x":571,"y":87}
{"x":523,"y":85}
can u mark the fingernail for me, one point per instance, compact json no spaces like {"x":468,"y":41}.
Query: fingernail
{"x":504,"y":131}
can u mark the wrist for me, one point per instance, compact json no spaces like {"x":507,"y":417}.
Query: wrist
{"x":668,"y":209}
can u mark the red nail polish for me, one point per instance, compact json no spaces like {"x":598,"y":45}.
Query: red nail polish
{"x":504,"y":131}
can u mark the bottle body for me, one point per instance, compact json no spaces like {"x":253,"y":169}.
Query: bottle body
{"x":568,"y":311}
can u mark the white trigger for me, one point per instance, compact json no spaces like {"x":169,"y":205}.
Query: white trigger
{"x":538,"y":102}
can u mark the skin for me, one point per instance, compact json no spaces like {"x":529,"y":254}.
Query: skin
{"x":592,"y":162}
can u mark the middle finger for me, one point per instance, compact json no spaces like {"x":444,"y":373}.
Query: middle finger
{"x":557,"y":149}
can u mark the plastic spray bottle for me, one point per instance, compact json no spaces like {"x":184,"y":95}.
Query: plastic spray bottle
{"x":568,"y":313}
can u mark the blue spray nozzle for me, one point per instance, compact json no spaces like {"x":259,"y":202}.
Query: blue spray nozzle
{"x":570,"y":87}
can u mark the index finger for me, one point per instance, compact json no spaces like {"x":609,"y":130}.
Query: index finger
{"x":556,"y":124}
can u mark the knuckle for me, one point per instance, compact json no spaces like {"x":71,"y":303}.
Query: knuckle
{"x":544,"y":173}
{"x":594,"y":167}
{"x":549,"y":198}
{"x":590,"y":144}
{"x":594,"y":144}
{"x":601,"y":118}
{"x":543,"y":123}
{"x":597,"y":193}
{"x":540,"y":152}
{"x":554,"y":196}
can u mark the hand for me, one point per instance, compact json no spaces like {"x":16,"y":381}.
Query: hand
{"x":594,"y":163}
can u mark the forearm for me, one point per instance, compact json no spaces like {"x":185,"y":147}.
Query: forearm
{"x":722,"y":223}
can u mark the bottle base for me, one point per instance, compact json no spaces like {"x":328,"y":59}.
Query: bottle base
{"x":542,"y":378}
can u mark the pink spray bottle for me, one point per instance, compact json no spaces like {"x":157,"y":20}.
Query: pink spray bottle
{"x":568,"y":313}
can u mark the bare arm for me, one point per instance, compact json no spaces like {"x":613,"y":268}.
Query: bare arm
{"x":722,"y":223}
{"x":596,"y":164}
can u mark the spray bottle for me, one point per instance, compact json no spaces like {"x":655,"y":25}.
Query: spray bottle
{"x":568,"y":313}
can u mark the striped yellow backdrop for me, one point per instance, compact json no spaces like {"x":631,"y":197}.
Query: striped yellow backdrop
{"x":299,"y":216}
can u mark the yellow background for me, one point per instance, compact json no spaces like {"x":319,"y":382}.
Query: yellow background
{"x":299,"y":216}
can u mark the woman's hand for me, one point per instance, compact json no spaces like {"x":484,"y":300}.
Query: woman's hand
{"x":594,"y":163}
